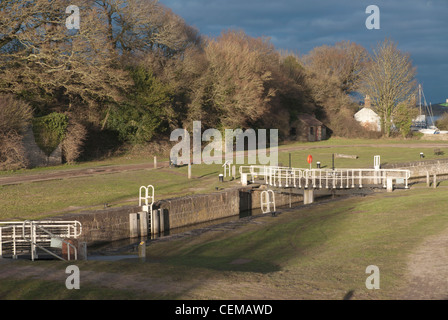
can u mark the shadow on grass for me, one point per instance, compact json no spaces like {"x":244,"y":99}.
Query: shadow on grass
{"x":224,"y":264}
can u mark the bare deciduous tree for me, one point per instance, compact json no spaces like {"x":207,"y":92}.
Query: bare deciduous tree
{"x":389,"y":81}
{"x":235,"y":88}
{"x":332,"y":73}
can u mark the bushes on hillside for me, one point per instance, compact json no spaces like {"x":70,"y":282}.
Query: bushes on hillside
{"x":49,"y":131}
{"x":15,"y":116}
{"x":73,"y":142}
{"x":12,"y":153}
{"x":442,"y":123}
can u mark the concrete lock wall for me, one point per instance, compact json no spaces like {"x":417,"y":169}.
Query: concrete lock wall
{"x":111,"y":224}
{"x":200,"y":208}
{"x":106,"y":225}
{"x":281,"y":199}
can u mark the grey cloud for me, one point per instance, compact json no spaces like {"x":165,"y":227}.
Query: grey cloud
{"x":418,"y":26}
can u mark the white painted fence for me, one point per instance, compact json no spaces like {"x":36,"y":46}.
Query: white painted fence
{"x":325,"y":178}
{"x":26,"y":236}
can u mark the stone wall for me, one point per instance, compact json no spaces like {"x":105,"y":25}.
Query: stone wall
{"x":419,"y":168}
{"x":105,"y":225}
{"x":111,"y":224}
{"x":281,"y":199}
{"x":35,"y":156}
{"x":195,"y":209}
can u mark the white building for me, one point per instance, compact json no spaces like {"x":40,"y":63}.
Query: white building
{"x":368,"y":118}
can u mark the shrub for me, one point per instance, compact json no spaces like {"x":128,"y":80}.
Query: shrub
{"x":15,"y":115}
{"x":12,"y":153}
{"x":73,"y":142}
{"x":49,"y":131}
{"x":442,"y":123}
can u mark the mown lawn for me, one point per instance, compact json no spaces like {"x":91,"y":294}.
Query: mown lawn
{"x":49,"y":198}
{"x":315,"y":252}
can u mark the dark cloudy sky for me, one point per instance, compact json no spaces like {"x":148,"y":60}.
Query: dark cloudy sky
{"x":420,"y":27}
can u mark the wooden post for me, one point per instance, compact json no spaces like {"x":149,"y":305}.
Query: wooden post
{"x":142,"y":251}
{"x":189,"y":171}
{"x":133,"y":225}
{"x":427,"y":179}
{"x":155,"y":162}
{"x":389,"y":185}
{"x":155,"y":222}
{"x":308,"y":196}
{"x":162,"y":220}
{"x":434,"y":184}
{"x":143,"y":224}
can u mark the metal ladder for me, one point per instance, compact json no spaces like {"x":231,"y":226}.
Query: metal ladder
{"x":266,"y":201}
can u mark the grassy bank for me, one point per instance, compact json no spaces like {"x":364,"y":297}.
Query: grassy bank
{"x":42,"y":199}
{"x":315,"y":252}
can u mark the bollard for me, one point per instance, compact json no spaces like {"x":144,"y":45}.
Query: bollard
{"x":142,"y":251}
{"x":155,"y":162}
{"x":434,"y":184}
{"x":221,"y":178}
{"x":234,"y":171}
{"x":189,"y":171}
{"x":427,"y":179}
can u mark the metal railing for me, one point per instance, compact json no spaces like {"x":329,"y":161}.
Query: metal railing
{"x":146,"y":193}
{"x":27,"y":236}
{"x":325,"y":178}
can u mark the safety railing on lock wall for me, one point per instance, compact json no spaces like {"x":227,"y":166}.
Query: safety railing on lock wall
{"x":25,"y":237}
{"x":325,"y":178}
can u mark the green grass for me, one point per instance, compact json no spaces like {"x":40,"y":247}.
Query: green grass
{"x":42,"y":199}
{"x":365,"y":156}
{"x":315,"y":252}
{"x":35,"y":289}
{"x":328,"y":246}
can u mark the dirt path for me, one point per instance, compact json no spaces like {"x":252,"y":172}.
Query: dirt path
{"x":73,"y":173}
{"x":427,"y":270}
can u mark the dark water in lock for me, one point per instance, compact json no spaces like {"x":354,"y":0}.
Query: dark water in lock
{"x":128,"y":248}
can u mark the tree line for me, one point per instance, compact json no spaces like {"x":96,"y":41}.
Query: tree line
{"x":138,"y":70}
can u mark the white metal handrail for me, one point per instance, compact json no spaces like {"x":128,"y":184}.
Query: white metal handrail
{"x":325,"y":178}
{"x":147,"y":195}
{"x":24,"y":234}
{"x":267,"y":198}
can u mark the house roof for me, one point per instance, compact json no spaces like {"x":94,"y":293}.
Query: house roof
{"x":309,"y":120}
{"x":366,"y":111}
